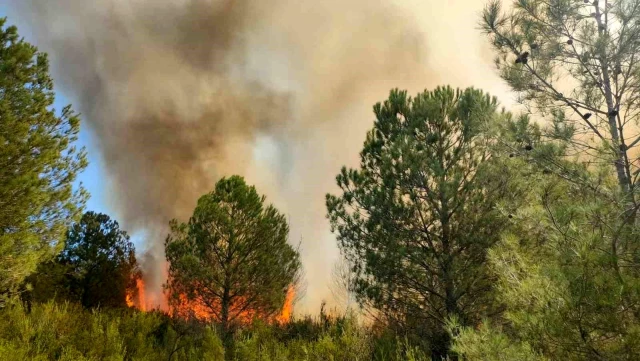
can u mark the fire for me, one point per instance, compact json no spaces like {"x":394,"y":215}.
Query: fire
{"x":142,"y":296}
{"x":187,"y":308}
{"x":137,"y":298}
{"x":287,"y":308}
{"x":198,"y":309}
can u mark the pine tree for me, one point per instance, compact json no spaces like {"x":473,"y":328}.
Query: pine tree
{"x":38,"y":162}
{"x":97,"y":267}
{"x":232,"y":257}
{"x":416,"y":219}
{"x":576,"y":63}
{"x":566,"y":265}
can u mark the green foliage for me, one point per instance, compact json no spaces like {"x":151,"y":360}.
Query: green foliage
{"x":344,"y":343}
{"x":567,"y":270}
{"x":339,"y":338}
{"x":232,"y":256}
{"x":97,"y":267}
{"x":567,"y":264}
{"x":489,"y":344}
{"x":67,"y":332}
{"x":38,"y":162}
{"x":580,"y":68}
{"x":418,"y":216}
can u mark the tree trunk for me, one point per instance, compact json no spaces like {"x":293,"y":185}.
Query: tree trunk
{"x":617,"y":138}
{"x":227,"y":336}
{"x":443,"y":342}
{"x":451,"y":309}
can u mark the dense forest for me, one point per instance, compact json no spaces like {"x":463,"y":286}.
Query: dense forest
{"x":467,"y":231}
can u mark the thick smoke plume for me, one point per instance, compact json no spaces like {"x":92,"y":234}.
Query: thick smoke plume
{"x":180,"y":93}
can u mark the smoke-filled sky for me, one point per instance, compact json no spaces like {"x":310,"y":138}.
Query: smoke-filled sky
{"x":175,"y":94}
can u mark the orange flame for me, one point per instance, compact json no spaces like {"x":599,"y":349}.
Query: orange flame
{"x":287,"y":308}
{"x":186,"y":308}
{"x":142,"y":297}
{"x":137,"y":298}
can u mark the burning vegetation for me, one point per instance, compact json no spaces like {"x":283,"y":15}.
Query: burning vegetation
{"x":229,"y":264}
{"x":137,"y":298}
{"x":185,"y":308}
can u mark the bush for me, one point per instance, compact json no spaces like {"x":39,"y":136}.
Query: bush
{"x":339,"y":338}
{"x":66,"y":331}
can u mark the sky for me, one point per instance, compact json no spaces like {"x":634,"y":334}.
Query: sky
{"x":175,"y":94}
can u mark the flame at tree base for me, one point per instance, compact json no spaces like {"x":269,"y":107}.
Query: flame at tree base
{"x":287,"y":308}
{"x":190,"y":308}
{"x":137,"y":298}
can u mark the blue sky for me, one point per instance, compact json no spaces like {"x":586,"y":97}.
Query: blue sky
{"x":93,"y":177}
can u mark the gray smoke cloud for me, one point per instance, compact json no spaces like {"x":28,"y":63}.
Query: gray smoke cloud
{"x":181,"y":93}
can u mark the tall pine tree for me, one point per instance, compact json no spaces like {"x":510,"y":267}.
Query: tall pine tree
{"x":575,"y":62}
{"x":231,"y":258}
{"x":38,"y":162}
{"x":567,"y":268}
{"x":417,"y":217}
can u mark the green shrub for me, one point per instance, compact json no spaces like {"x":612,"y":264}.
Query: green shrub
{"x":69,"y":332}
